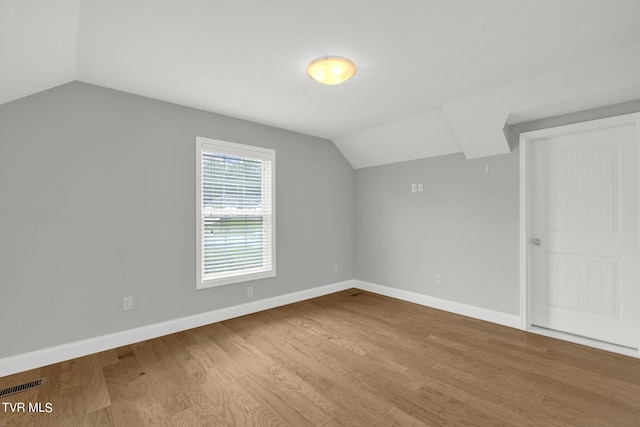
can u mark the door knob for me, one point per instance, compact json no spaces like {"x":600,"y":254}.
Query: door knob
{"x":536,"y":242}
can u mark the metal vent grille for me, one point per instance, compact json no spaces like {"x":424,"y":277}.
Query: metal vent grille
{"x":22,"y":387}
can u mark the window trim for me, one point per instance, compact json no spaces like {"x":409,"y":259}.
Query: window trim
{"x":207,"y":145}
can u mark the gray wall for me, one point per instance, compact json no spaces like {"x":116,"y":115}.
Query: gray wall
{"x":464,"y":226}
{"x":97,"y":202}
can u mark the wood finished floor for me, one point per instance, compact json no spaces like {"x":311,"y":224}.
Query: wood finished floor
{"x":348,"y":359}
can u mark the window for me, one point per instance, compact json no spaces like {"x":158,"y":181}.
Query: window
{"x":235,"y":205}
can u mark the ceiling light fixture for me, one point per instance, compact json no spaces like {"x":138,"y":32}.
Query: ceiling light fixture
{"x":331,"y":70}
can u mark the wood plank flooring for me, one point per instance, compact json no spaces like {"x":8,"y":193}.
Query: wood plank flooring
{"x":348,"y":359}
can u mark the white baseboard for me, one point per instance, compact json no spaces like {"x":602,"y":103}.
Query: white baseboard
{"x":47,"y":356}
{"x":511,"y":320}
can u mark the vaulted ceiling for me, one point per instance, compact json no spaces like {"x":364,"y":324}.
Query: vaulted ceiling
{"x":435,"y":76}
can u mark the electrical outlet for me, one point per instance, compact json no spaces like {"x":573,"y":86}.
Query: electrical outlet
{"x":127,"y":303}
{"x":335,"y":266}
{"x":249,"y":291}
{"x":438,"y":279}
{"x":419,"y":187}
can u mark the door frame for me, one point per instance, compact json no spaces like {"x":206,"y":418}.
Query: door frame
{"x":526,"y":213}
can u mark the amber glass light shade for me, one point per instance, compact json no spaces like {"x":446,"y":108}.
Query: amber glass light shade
{"x":331,"y":70}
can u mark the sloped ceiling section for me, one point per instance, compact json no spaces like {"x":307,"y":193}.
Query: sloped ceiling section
{"x":478,"y":121}
{"x":434,"y":77}
{"x":424,"y":135}
{"x":475,"y":125}
{"x":37,"y":46}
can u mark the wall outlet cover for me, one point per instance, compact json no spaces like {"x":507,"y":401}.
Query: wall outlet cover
{"x":127,"y":303}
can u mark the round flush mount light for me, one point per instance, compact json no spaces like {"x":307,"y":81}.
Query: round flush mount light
{"x":331,"y":70}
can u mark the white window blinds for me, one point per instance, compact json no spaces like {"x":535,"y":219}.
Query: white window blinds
{"x":235,"y":203}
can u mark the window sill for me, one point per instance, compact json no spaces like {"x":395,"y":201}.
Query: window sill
{"x":230,"y":280}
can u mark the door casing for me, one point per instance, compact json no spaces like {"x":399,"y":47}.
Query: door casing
{"x":526,"y":213}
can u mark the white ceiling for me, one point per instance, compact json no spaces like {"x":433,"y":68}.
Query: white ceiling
{"x":426,"y":67}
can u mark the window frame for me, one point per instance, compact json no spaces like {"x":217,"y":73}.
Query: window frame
{"x":213,"y":146}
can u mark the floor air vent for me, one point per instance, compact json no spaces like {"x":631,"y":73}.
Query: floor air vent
{"x":22,"y":387}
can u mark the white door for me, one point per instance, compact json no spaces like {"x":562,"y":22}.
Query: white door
{"x":584,"y":240}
